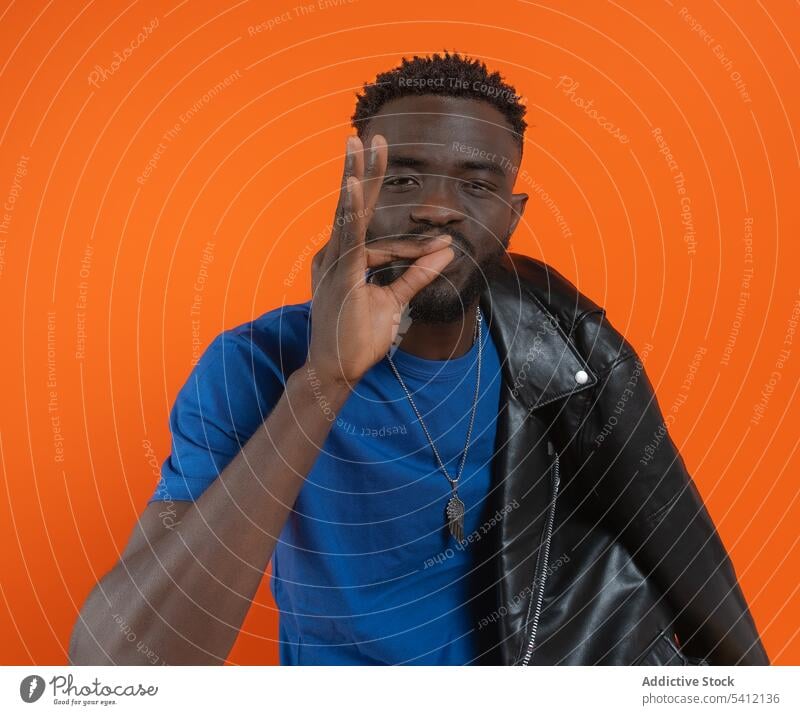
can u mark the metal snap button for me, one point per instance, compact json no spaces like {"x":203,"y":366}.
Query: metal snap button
{"x":581,"y":377}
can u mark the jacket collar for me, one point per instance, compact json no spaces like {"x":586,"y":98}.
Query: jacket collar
{"x":540,"y":363}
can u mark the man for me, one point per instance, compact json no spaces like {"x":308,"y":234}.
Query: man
{"x":448,"y":454}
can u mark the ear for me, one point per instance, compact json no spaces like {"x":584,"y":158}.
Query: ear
{"x":518,"y":202}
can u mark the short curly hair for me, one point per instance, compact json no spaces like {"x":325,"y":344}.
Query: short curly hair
{"x":452,"y":75}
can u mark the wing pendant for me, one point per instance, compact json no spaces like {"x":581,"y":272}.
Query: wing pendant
{"x":455,"y":517}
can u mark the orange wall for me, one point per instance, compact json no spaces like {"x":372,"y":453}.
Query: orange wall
{"x":251,"y":177}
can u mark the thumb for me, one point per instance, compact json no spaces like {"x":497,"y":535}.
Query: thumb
{"x":420,"y":273}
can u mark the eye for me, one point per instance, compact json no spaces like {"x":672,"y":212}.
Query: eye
{"x":399,"y":181}
{"x":479,"y":187}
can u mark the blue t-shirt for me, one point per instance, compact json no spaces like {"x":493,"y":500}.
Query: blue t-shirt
{"x":364,"y":571}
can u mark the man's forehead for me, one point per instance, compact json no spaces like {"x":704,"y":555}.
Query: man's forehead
{"x":448,"y":123}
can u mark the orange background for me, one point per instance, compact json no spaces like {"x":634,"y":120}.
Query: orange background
{"x":255,"y":171}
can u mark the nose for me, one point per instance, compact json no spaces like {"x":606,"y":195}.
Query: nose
{"x":438,"y":204}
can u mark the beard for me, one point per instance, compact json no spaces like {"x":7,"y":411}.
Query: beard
{"x":441,"y":301}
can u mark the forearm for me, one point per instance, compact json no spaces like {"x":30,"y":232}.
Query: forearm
{"x":186,"y":596}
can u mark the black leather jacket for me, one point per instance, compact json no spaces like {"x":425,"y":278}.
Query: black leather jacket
{"x":604,"y":552}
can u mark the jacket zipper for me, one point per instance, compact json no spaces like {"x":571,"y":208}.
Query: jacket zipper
{"x":547,"y":538}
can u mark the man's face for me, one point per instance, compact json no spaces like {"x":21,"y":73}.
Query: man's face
{"x":451,"y":168}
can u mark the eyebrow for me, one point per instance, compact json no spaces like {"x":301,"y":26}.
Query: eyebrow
{"x":410,"y":162}
{"x":473,"y":165}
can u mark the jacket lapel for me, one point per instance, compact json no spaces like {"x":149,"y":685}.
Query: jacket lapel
{"x":540,"y":363}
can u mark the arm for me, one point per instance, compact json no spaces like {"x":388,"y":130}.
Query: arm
{"x":643,"y":483}
{"x":184,"y":591}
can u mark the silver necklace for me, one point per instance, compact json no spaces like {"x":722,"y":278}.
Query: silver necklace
{"x":454,"y":512}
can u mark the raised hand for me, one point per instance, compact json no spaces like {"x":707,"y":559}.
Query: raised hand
{"x":354,"y":322}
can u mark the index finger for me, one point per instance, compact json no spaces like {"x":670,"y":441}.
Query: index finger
{"x":386,"y":250}
{"x":374,"y":173}
{"x":353,"y":166}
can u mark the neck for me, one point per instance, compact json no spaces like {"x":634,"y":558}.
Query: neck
{"x":441,"y":341}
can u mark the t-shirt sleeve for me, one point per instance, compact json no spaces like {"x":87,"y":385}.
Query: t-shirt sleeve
{"x":226,"y":398}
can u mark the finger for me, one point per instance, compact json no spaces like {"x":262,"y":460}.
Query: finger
{"x":386,"y":250}
{"x":359,"y":152}
{"x":352,"y":258}
{"x":420,"y":273}
{"x":316,"y":267}
{"x":374,"y":173}
{"x":353,"y":163}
